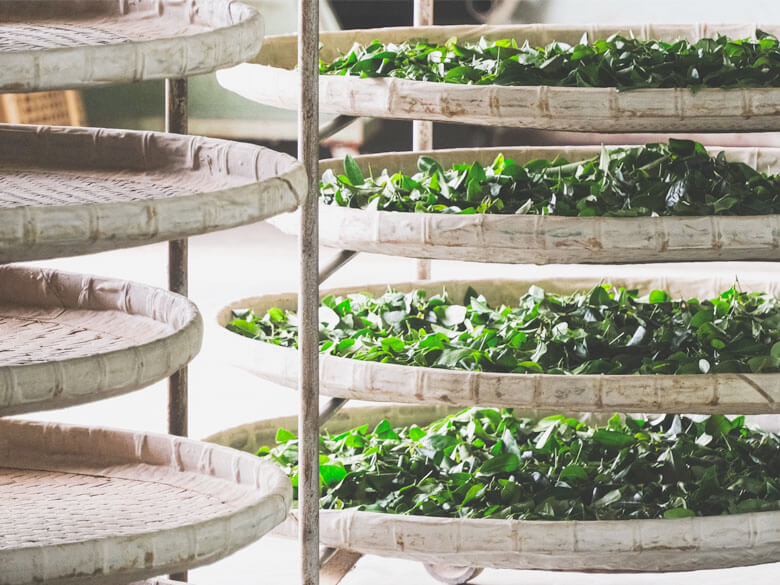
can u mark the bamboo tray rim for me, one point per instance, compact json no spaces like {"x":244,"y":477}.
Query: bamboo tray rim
{"x":730,"y":393}
{"x":233,"y":499}
{"x":542,"y":239}
{"x":106,"y":337}
{"x":212,"y":184}
{"x":610,"y":546}
{"x":548,"y":107}
{"x":208,"y":35}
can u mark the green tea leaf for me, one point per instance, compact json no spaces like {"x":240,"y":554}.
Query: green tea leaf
{"x":283,"y":435}
{"x":353,"y":172}
{"x":484,"y":462}
{"x":503,"y":463}
{"x":679,"y":513}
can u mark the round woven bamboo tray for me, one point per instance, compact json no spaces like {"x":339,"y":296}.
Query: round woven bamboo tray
{"x":68,"y":338}
{"x":77,"y":43}
{"x":269,"y":78}
{"x":365,"y":380}
{"x":67,"y":191}
{"x":84,"y":505}
{"x":542,"y":239}
{"x":610,"y":546}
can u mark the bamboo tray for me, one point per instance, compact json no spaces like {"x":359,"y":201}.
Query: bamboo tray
{"x":86,"y":506}
{"x":67,"y":338}
{"x":65,"y":44}
{"x":542,"y":239}
{"x":607,"y":546}
{"x":68,"y":191}
{"x":269,"y":78}
{"x":365,"y":380}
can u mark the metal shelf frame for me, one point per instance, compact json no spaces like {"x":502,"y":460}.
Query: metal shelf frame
{"x":330,"y":567}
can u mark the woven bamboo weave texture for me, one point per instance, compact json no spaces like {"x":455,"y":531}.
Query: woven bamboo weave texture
{"x":77,"y":43}
{"x":67,"y":339}
{"x":88,"y":506}
{"x":366,"y":380}
{"x":619,"y":546}
{"x":56,"y":108}
{"x":67,"y":191}
{"x":270,"y":79}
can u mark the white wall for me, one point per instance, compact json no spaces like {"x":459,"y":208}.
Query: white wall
{"x":640,"y":11}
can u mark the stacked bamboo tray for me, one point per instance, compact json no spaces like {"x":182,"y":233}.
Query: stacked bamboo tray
{"x":614,"y":546}
{"x":85,"y":505}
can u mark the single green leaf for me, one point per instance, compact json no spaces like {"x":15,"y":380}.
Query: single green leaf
{"x":679,"y":513}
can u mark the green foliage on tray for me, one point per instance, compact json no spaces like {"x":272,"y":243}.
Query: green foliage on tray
{"x":604,"y":331}
{"x":678,"y":178}
{"x":485,"y":463}
{"x":625,"y":63}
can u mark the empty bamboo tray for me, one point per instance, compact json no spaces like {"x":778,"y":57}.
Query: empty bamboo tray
{"x":270,"y":78}
{"x":542,"y":239}
{"x":67,"y":338}
{"x":90,"y":506}
{"x":367,"y":380}
{"x":662,"y":545}
{"x":77,"y":43}
{"x":67,"y":191}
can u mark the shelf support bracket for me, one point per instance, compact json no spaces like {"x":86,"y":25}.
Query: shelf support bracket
{"x":336,"y":563}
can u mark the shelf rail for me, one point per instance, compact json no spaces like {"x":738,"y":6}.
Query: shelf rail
{"x":176,"y":118}
{"x":335,"y":564}
{"x":308,"y":297}
{"x":422,"y":131}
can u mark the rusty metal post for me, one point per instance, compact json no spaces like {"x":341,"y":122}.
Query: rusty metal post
{"x":176,"y":122}
{"x":422,"y":131}
{"x":308,"y":296}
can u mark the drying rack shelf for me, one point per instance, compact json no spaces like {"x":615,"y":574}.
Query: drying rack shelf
{"x":345,"y":378}
{"x":67,"y":191}
{"x":69,"y":44}
{"x":270,"y":78}
{"x":608,"y":546}
{"x":90,"y":505}
{"x":68,"y":339}
{"x":542,"y":239}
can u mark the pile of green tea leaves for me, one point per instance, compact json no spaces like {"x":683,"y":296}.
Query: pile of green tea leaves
{"x":621,"y":62}
{"x":484,"y":463}
{"x":606,"y":330}
{"x":678,"y":178}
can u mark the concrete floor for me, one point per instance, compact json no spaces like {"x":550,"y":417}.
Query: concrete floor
{"x":258,"y":259}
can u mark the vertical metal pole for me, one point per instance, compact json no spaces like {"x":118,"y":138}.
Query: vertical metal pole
{"x":176,"y":122}
{"x":308,"y":297}
{"x":422,"y":132}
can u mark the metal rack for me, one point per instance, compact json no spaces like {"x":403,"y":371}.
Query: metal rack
{"x":333,"y":564}
{"x":64,"y":45}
